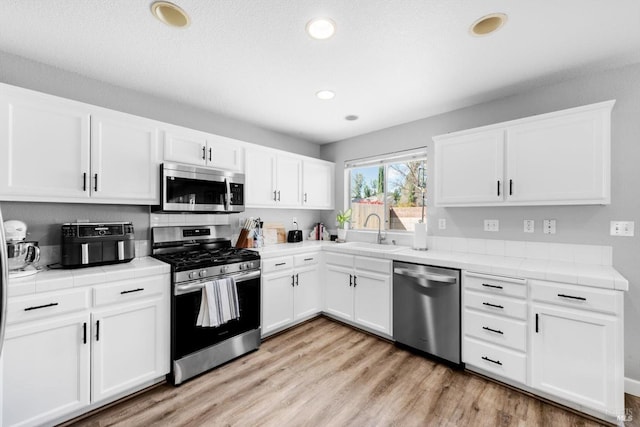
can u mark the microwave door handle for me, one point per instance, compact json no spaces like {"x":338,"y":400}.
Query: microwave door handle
{"x":227,"y":198}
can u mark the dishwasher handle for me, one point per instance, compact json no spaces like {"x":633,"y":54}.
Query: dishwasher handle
{"x":425,"y":276}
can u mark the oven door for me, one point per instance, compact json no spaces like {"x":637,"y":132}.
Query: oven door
{"x":187,"y":338}
{"x":201,"y":190}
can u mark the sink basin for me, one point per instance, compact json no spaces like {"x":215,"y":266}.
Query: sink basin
{"x":376,"y":247}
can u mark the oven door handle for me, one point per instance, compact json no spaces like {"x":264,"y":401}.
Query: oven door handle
{"x":192,"y":287}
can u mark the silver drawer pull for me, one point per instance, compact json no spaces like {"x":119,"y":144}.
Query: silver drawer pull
{"x":497,"y":362}
{"x":53,"y":304}
{"x":492,"y":330}
{"x":572,"y":297}
{"x":493,"y":305}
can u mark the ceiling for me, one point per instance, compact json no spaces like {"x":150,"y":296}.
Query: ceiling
{"x":390,"y":61}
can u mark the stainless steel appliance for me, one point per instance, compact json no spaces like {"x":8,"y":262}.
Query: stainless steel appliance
{"x":426,"y":309}
{"x":198,"y":255}
{"x":4,"y":281}
{"x":20,"y":253}
{"x":193,"y":189}
{"x":86,"y":244}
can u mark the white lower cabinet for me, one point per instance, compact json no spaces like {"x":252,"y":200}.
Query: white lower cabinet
{"x":71,"y":351}
{"x":290,"y":291}
{"x":358,"y":290}
{"x":46,"y":369}
{"x":576,"y":352}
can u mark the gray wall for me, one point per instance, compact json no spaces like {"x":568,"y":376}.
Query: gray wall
{"x":44,"y":219}
{"x":577,"y":224}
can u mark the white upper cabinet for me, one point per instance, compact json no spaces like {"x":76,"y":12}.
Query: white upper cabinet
{"x":44,"y":146}
{"x":275,"y":178}
{"x":560,"y":158}
{"x":56,"y":150}
{"x":318,"y":184}
{"x":189,"y":146}
{"x":124,"y":158}
{"x":469,"y":168}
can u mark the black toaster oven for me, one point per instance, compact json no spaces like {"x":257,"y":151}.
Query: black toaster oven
{"x":86,"y":244}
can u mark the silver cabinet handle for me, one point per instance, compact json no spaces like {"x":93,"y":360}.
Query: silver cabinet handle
{"x":425,"y":276}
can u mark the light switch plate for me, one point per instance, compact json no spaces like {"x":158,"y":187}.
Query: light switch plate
{"x":549,"y":226}
{"x":491,"y":225}
{"x":442,"y":223}
{"x":622,"y":228}
{"x":529,"y":225}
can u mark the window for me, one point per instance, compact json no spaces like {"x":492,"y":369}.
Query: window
{"x":392,"y":186}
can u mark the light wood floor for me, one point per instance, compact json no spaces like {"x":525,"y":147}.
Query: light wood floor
{"x":323,"y":373}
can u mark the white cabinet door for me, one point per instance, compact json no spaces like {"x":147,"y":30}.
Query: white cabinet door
{"x":185,"y":146}
{"x":124,"y":158}
{"x":129,"y":346}
{"x":225,"y":153}
{"x":46,"y":370}
{"x":469,"y":169}
{"x":339,"y":291}
{"x":318,"y":187}
{"x":564,"y":158}
{"x":372,"y":306}
{"x":573,"y":356}
{"x":260,"y":178}
{"x":277,"y":300}
{"x":44,"y":147}
{"x":307,"y":297}
{"x":289,"y":181}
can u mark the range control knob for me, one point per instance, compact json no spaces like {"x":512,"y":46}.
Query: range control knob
{"x":202,"y":273}
{"x":224,"y":269}
{"x":246,"y":266}
{"x":241,"y":266}
{"x":193,"y":275}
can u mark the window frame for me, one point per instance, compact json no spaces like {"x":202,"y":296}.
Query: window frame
{"x":418,"y":154}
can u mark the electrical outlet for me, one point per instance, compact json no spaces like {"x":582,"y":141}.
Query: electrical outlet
{"x":491,"y":225}
{"x":529,"y":225}
{"x":622,"y":228}
{"x":442,"y":223}
{"x":549,"y":226}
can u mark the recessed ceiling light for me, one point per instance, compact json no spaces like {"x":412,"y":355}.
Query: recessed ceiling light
{"x":351,"y":117}
{"x":325,"y":94}
{"x":321,"y":28}
{"x":170,"y":14}
{"x":488,"y":24}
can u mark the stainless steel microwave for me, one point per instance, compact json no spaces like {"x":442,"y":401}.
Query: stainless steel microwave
{"x":193,"y":189}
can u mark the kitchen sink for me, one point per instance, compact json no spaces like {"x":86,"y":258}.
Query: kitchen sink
{"x":376,"y":247}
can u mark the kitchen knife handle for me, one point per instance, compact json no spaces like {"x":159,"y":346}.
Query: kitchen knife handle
{"x":204,"y":152}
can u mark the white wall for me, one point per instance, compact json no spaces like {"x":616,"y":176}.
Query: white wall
{"x":575,"y":224}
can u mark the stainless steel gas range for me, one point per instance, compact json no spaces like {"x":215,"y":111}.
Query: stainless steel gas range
{"x":200,"y":257}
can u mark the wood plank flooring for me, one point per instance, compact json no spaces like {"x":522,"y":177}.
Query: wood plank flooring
{"x":323,"y":373}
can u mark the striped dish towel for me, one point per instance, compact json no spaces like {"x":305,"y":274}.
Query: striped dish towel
{"x":219,"y":303}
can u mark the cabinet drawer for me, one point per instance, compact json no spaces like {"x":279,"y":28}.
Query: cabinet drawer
{"x":496,"y":285}
{"x":495,"y":304}
{"x":498,"y":330}
{"x":501,"y":361}
{"x":130,"y":290}
{"x":373,"y":265}
{"x":575,"y":296}
{"x":306,"y":259}
{"x":339,"y":259}
{"x":277,"y":264}
{"x":23,"y":309}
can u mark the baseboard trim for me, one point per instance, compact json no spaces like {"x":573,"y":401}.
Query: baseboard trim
{"x":632,"y":387}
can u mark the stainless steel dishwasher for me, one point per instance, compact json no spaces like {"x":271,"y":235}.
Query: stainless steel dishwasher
{"x":426,"y":309}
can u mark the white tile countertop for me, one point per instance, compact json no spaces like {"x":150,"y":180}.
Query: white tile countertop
{"x":56,"y":279}
{"x":574,"y":272}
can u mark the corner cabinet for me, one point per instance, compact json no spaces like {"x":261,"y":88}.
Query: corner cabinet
{"x":276,"y":179}
{"x":53,"y":149}
{"x":560,"y":158}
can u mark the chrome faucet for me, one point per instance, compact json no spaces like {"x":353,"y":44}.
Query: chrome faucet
{"x":380,"y":238}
